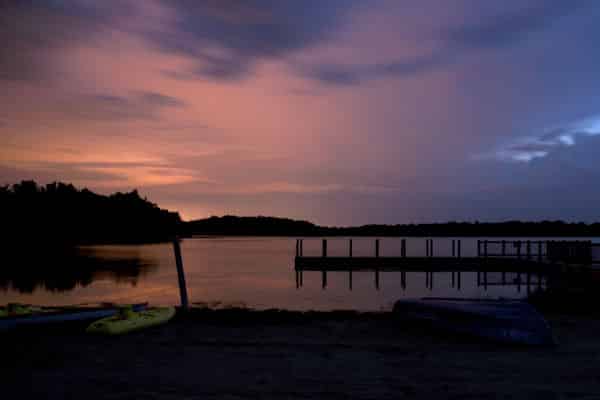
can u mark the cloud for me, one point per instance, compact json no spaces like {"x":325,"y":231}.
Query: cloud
{"x":109,"y":107}
{"x":227,"y":38}
{"x":528,"y":148}
{"x":351,"y":75}
{"x":512,"y":27}
{"x":31,"y":31}
{"x":488,"y":33}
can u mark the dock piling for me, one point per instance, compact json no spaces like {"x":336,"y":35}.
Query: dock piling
{"x":180,"y":274}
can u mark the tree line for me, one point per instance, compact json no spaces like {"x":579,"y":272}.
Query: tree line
{"x":59,"y":212}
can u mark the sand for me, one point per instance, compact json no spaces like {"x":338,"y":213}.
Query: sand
{"x":237,"y":354}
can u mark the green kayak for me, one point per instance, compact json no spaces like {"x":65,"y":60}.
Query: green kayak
{"x":128,"y":320}
{"x":16,"y":309}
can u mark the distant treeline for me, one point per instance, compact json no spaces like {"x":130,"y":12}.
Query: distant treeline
{"x":59,"y":212}
{"x":270,"y":226}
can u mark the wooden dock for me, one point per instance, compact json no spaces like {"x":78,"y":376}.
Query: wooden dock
{"x":505,"y":256}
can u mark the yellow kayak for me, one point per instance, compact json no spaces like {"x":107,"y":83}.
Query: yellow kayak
{"x":128,"y":320}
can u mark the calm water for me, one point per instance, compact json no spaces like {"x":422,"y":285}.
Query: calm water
{"x":254,"y":272}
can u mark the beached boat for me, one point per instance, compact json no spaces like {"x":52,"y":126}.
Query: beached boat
{"x":16,"y":316}
{"x":507,"y":321}
{"x":129,"y":320}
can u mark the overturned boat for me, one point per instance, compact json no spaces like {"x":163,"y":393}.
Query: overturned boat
{"x":506,"y":321}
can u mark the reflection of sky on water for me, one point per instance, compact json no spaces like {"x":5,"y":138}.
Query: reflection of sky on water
{"x":254,"y":272}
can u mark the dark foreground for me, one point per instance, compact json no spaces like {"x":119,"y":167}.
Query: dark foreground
{"x":243,"y":354}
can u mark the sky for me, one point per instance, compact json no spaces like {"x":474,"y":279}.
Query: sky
{"x":342,"y":112}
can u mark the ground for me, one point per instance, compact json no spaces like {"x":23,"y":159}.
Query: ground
{"x":248,"y":354}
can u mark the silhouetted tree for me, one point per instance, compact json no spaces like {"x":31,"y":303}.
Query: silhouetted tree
{"x":59,"y":212}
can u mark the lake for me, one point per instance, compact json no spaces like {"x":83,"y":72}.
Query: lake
{"x":234,"y":271}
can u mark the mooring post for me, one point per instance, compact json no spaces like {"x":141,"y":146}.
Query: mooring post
{"x":324,"y":253}
{"x":297,"y":280}
{"x":297,"y":247}
{"x":478,"y":248}
{"x":324,"y":279}
{"x":458,"y":280}
{"x":452,"y":279}
{"x":180,"y":274}
{"x":453,"y":248}
{"x":376,"y":247}
{"x":458,"y":248}
{"x":403,"y":248}
{"x":350,"y":279}
{"x":403,"y":280}
{"x":377,"y":279}
{"x":301,"y":247}
{"x":350,"y":248}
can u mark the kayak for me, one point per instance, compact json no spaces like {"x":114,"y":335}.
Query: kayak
{"x":27,"y":315}
{"x":506,"y":321}
{"x":17,"y":309}
{"x":129,"y":321}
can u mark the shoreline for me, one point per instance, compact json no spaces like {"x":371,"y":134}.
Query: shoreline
{"x":238,"y":353}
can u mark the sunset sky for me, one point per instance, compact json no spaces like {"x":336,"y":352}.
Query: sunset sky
{"x":340,"y":112}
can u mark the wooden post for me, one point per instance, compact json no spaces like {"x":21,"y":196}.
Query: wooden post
{"x":297,"y":247}
{"x":297,"y":279}
{"x":539,"y":251}
{"x":458,"y":249}
{"x":301,"y":247}
{"x":504,"y":247}
{"x":350,"y":248}
{"x":431,"y":280}
{"x":301,"y":278}
{"x":452,"y":279}
{"x":427,"y":279}
{"x":458,"y":280}
{"x":324,"y":279}
{"x":485,"y":249}
{"x":350,"y":279}
{"x":377,"y":279}
{"x":324,"y":253}
{"x":403,"y":248}
{"x":478,"y":248}
{"x":403,"y":280}
{"x":453,"y":248}
{"x":518,"y":244}
{"x":529,"y":249}
{"x":180,"y":274}
{"x":376,"y":247}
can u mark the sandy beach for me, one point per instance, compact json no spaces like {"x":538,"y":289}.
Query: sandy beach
{"x":273,"y":354}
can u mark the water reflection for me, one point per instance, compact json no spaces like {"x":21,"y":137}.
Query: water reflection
{"x":60,"y":269}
